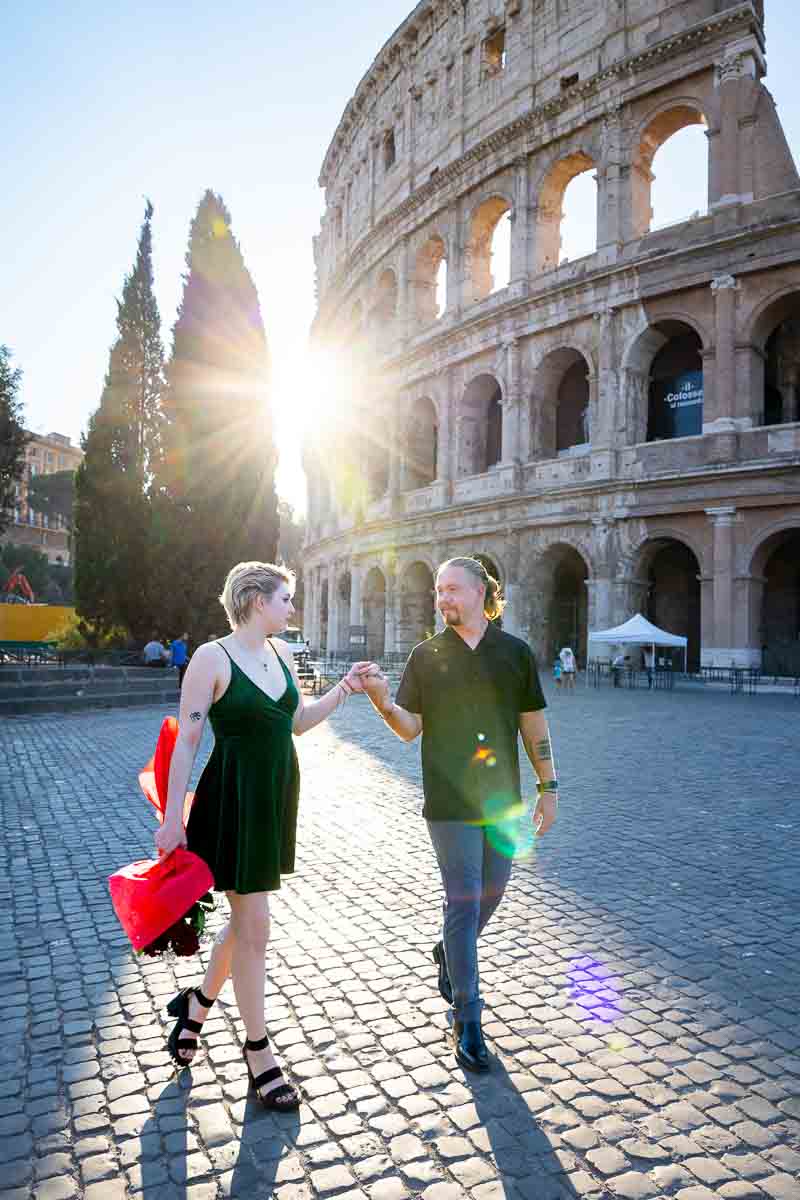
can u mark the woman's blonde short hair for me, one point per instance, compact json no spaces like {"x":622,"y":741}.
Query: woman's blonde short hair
{"x":493,"y":602}
{"x":246,"y":581}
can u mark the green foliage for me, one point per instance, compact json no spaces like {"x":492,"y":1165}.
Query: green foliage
{"x":73,"y":633}
{"x":13,"y":438}
{"x":219,"y":465}
{"x":123,"y":450}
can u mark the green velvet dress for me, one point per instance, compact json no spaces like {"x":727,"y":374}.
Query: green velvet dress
{"x":244,"y":817}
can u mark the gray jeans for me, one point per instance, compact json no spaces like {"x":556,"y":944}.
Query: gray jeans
{"x":474,"y":877}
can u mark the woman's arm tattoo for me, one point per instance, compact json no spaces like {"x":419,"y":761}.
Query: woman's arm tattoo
{"x":195,"y":716}
{"x":543,"y":750}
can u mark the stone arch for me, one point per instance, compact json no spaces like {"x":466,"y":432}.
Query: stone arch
{"x":421,"y":444}
{"x":416,"y":617}
{"x":483,"y":223}
{"x":385,"y":306}
{"x":662,"y":363}
{"x":653,"y":133}
{"x":550,"y":203}
{"x":480,"y":425}
{"x":374,"y":607}
{"x":775,"y":611}
{"x":558,"y":600}
{"x":431,"y":262}
{"x":775,"y":335}
{"x":668,"y":572}
{"x":560,"y":402}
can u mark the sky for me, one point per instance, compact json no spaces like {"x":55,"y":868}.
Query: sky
{"x":110,"y":104}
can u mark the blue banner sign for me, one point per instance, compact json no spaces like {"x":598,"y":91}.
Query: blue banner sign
{"x":676,"y":406}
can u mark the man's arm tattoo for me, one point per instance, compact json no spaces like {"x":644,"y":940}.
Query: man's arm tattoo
{"x":542,"y":750}
{"x":195,"y":716}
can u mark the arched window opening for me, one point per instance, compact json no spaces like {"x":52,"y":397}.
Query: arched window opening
{"x":675,"y":390}
{"x":780,"y":608}
{"x":673,"y":595}
{"x":579,"y":217}
{"x":480,"y":426}
{"x":431,"y":277}
{"x":559,"y":414}
{"x":782,"y":373}
{"x":389,"y":150}
{"x":572,"y":411}
{"x":489,"y":248}
{"x":421,"y":448}
{"x":556,"y":241}
{"x":441,"y":288}
{"x":560,"y":580}
{"x":386,"y":297}
{"x":670,"y":172}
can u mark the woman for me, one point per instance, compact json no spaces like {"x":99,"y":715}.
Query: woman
{"x":244,"y":814}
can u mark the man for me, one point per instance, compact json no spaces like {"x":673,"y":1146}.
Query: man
{"x":468,"y":691}
{"x":154,"y":654}
{"x":179,"y":648}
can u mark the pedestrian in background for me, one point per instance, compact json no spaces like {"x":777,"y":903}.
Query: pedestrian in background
{"x":179,"y":649}
{"x":470,"y":691}
{"x":154,"y":654}
{"x":568,"y":666}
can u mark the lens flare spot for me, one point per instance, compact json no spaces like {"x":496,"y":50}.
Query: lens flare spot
{"x":483,"y":754}
{"x":481,"y":737}
{"x":491,"y":761}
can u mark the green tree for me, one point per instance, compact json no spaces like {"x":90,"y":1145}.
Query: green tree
{"x":220,"y":462}
{"x":123,"y":451}
{"x":13,"y":438}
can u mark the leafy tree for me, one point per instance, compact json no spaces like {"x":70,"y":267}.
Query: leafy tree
{"x":123,"y":450}
{"x":13,"y":438}
{"x":220,"y":461}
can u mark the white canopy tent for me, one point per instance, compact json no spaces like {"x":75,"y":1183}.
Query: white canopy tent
{"x":638,"y":631}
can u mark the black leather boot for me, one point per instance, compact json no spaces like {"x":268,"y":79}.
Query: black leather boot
{"x":445,"y":990}
{"x":470,"y":1047}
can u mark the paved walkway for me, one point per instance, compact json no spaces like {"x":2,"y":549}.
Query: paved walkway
{"x":642,"y":976}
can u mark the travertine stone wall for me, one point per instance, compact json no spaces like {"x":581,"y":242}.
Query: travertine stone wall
{"x":484,"y":110}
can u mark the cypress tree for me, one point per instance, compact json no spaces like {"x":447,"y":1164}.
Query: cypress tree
{"x":123,"y":449}
{"x":221,"y":458}
{"x":13,"y":438}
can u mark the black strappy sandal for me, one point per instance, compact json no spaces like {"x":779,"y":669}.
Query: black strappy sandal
{"x":179,"y":1007}
{"x":280,"y":1099}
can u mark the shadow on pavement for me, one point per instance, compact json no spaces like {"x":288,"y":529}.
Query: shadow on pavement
{"x":523,"y":1152}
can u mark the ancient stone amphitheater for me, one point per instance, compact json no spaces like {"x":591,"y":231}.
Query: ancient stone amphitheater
{"x":613,"y":434}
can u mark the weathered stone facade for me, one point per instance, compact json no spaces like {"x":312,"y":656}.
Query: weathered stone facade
{"x":540,"y":424}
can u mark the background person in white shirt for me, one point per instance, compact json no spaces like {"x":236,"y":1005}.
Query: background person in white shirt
{"x":568,"y":666}
{"x":154,"y":654}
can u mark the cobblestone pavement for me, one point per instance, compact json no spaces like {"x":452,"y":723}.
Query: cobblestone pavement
{"x":642,"y":976}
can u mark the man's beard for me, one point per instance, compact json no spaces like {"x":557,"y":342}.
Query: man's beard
{"x":452,"y":617}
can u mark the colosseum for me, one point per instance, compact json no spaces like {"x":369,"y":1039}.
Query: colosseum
{"x":614,"y":433}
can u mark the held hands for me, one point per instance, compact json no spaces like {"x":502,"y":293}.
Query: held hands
{"x":376,"y":685}
{"x":169,"y":837}
{"x":357,"y":673}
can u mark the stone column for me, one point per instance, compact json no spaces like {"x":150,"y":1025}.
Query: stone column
{"x":333,"y":608}
{"x":730,"y":167}
{"x":602,"y":421}
{"x":454,"y":299}
{"x":395,"y":449}
{"x":720,"y":406}
{"x":356,"y":607}
{"x":390,"y":637}
{"x":405,"y":313}
{"x":309,"y":605}
{"x":612,"y":179}
{"x":721,"y":632}
{"x":520,"y":222}
{"x":444,"y":441}
{"x":510,"y":440}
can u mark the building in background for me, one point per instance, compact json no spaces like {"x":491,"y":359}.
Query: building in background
{"x":44,"y":454}
{"x":612,"y":434}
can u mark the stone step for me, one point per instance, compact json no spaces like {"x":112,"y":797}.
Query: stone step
{"x":89,"y":700}
{"x":69,"y":687}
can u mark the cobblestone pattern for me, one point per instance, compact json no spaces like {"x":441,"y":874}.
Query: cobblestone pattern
{"x":642,"y":977}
